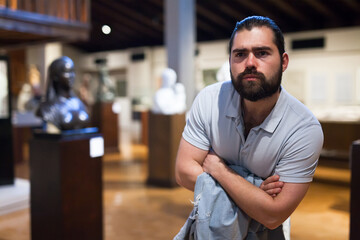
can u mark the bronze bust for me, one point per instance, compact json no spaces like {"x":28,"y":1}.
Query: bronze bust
{"x":62,"y":108}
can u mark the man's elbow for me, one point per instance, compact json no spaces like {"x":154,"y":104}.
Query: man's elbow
{"x":178,"y":179}
{"x":273,"y":222}
{"x":272,"y":225}
{"x":183,"y":180}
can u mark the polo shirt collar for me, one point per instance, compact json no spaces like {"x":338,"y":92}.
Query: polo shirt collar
{"x":233,"y":110}
{"x":273,"y":119}
{"x":233,"y":104}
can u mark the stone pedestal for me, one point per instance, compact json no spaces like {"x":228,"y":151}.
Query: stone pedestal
{"x":354,"y":191}
{"x":66,"y":187}
{"x":164,"y":138}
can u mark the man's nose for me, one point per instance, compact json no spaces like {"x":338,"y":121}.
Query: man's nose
{"x":251,"y":61}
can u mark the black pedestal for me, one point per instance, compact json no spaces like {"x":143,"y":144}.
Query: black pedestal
{"x":164,"y":138}
{"x":354,"y":191}
{"x":66,"y":188}
{"x":6,"y":160}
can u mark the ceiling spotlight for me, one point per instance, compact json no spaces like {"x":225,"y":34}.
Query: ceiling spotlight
{"x":106,"y":29}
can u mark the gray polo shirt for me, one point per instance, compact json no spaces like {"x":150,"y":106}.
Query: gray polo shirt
{"x":287,"y":143}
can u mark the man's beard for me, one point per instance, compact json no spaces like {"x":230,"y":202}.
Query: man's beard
{"x":256,"y":90}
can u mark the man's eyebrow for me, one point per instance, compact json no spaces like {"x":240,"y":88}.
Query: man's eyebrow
{"x":260,"y":48}
{"x":240,"y":50}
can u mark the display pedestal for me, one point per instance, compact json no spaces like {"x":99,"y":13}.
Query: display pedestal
{"x":106,"y":120}
{"x":66,"y":186}
{"x":338,"y":137}
{"x":354,"y":191}
{"x":7,"y":172}
{"x":164,"y":138}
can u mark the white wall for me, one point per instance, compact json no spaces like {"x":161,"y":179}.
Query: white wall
{"x":328,"y":79}
{"x":321,"y":78}
{"x":42,"y":56}
{"x":139,"y":73}
{"x":329,"y":76}
{"x":212,"y":55}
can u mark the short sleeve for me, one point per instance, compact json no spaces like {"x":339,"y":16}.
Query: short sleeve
{"x":300,"y":155}
{"x":195,"y":131}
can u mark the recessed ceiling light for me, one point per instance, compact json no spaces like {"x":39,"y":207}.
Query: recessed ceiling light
{"x":106,"y":29}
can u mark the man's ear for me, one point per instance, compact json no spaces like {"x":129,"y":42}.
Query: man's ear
{"x":285,"y":61}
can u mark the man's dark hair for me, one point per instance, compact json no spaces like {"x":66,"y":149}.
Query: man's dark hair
{"x":259,"y":21}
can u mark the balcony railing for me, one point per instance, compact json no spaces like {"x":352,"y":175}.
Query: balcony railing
{"x":53,"y":19}
{"x":69,"y":10}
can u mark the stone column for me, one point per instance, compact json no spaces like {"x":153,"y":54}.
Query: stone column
{"x":180,"y":38}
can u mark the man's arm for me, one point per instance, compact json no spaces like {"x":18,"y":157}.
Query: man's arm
{"x":188,"y":165}
{"x":269,"y":211}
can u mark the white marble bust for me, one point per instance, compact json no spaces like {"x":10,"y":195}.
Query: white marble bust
{"x":171,"y":97}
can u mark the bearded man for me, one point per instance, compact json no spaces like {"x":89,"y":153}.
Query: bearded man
{"x":251,"y":121}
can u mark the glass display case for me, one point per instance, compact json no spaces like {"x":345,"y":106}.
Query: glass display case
{"x":4,"y":89}
{"x":6,"y":160}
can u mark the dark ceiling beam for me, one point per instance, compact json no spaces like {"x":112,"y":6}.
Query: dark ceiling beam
{"x":290,"y":11}
{"x":231,"y":11}
{"x":207,"y":29}
{"x":353,"y":5}
{"x":255,"y":8}
{"x":142,"y":24}
{"x":132,"y":14}
{"x":323,"y":10}
{"x":124,"y":21}
{"x":208,"y":14}
{"x":120,"y":34}
{"x":159,"y":3}
{"x":122,"y":31}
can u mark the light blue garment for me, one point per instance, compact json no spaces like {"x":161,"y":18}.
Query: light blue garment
{"x":216,"y":217}
{"x":288,"y":142}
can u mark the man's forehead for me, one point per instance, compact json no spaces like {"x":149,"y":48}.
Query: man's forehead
{"x":257,"y":36}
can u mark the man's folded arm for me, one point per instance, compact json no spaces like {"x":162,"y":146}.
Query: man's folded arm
{"x":188,"y":165}
{"x":269,"y":211}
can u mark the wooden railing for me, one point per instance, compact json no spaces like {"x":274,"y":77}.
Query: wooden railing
{"x":69,"y":10}
{"x":43,"y":21}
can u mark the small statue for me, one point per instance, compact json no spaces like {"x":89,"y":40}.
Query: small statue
{"x":61,"y":108}
{"x":171,"y":97}
{"x":106,"y":89}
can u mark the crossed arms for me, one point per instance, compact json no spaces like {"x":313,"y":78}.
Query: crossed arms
{"x":271,"y":204}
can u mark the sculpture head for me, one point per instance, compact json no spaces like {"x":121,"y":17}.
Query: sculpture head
{"x":168,"y":77}
{"x":60,"y":80}
{"x":62,"y":109}
{"x":62,"y":74}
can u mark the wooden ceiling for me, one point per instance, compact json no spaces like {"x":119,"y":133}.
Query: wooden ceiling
{"x":141,"y":23}
{"x":138,"y":23}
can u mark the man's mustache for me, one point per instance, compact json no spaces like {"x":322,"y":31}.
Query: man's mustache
{"x":251,"y":71}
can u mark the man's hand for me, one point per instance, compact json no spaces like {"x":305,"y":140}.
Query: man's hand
{"x":214,"y":163}
{"x":258,"y":202}
{"x":272,"y":185}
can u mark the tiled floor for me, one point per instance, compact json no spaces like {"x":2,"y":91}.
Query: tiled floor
{"x":133,"y":210}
